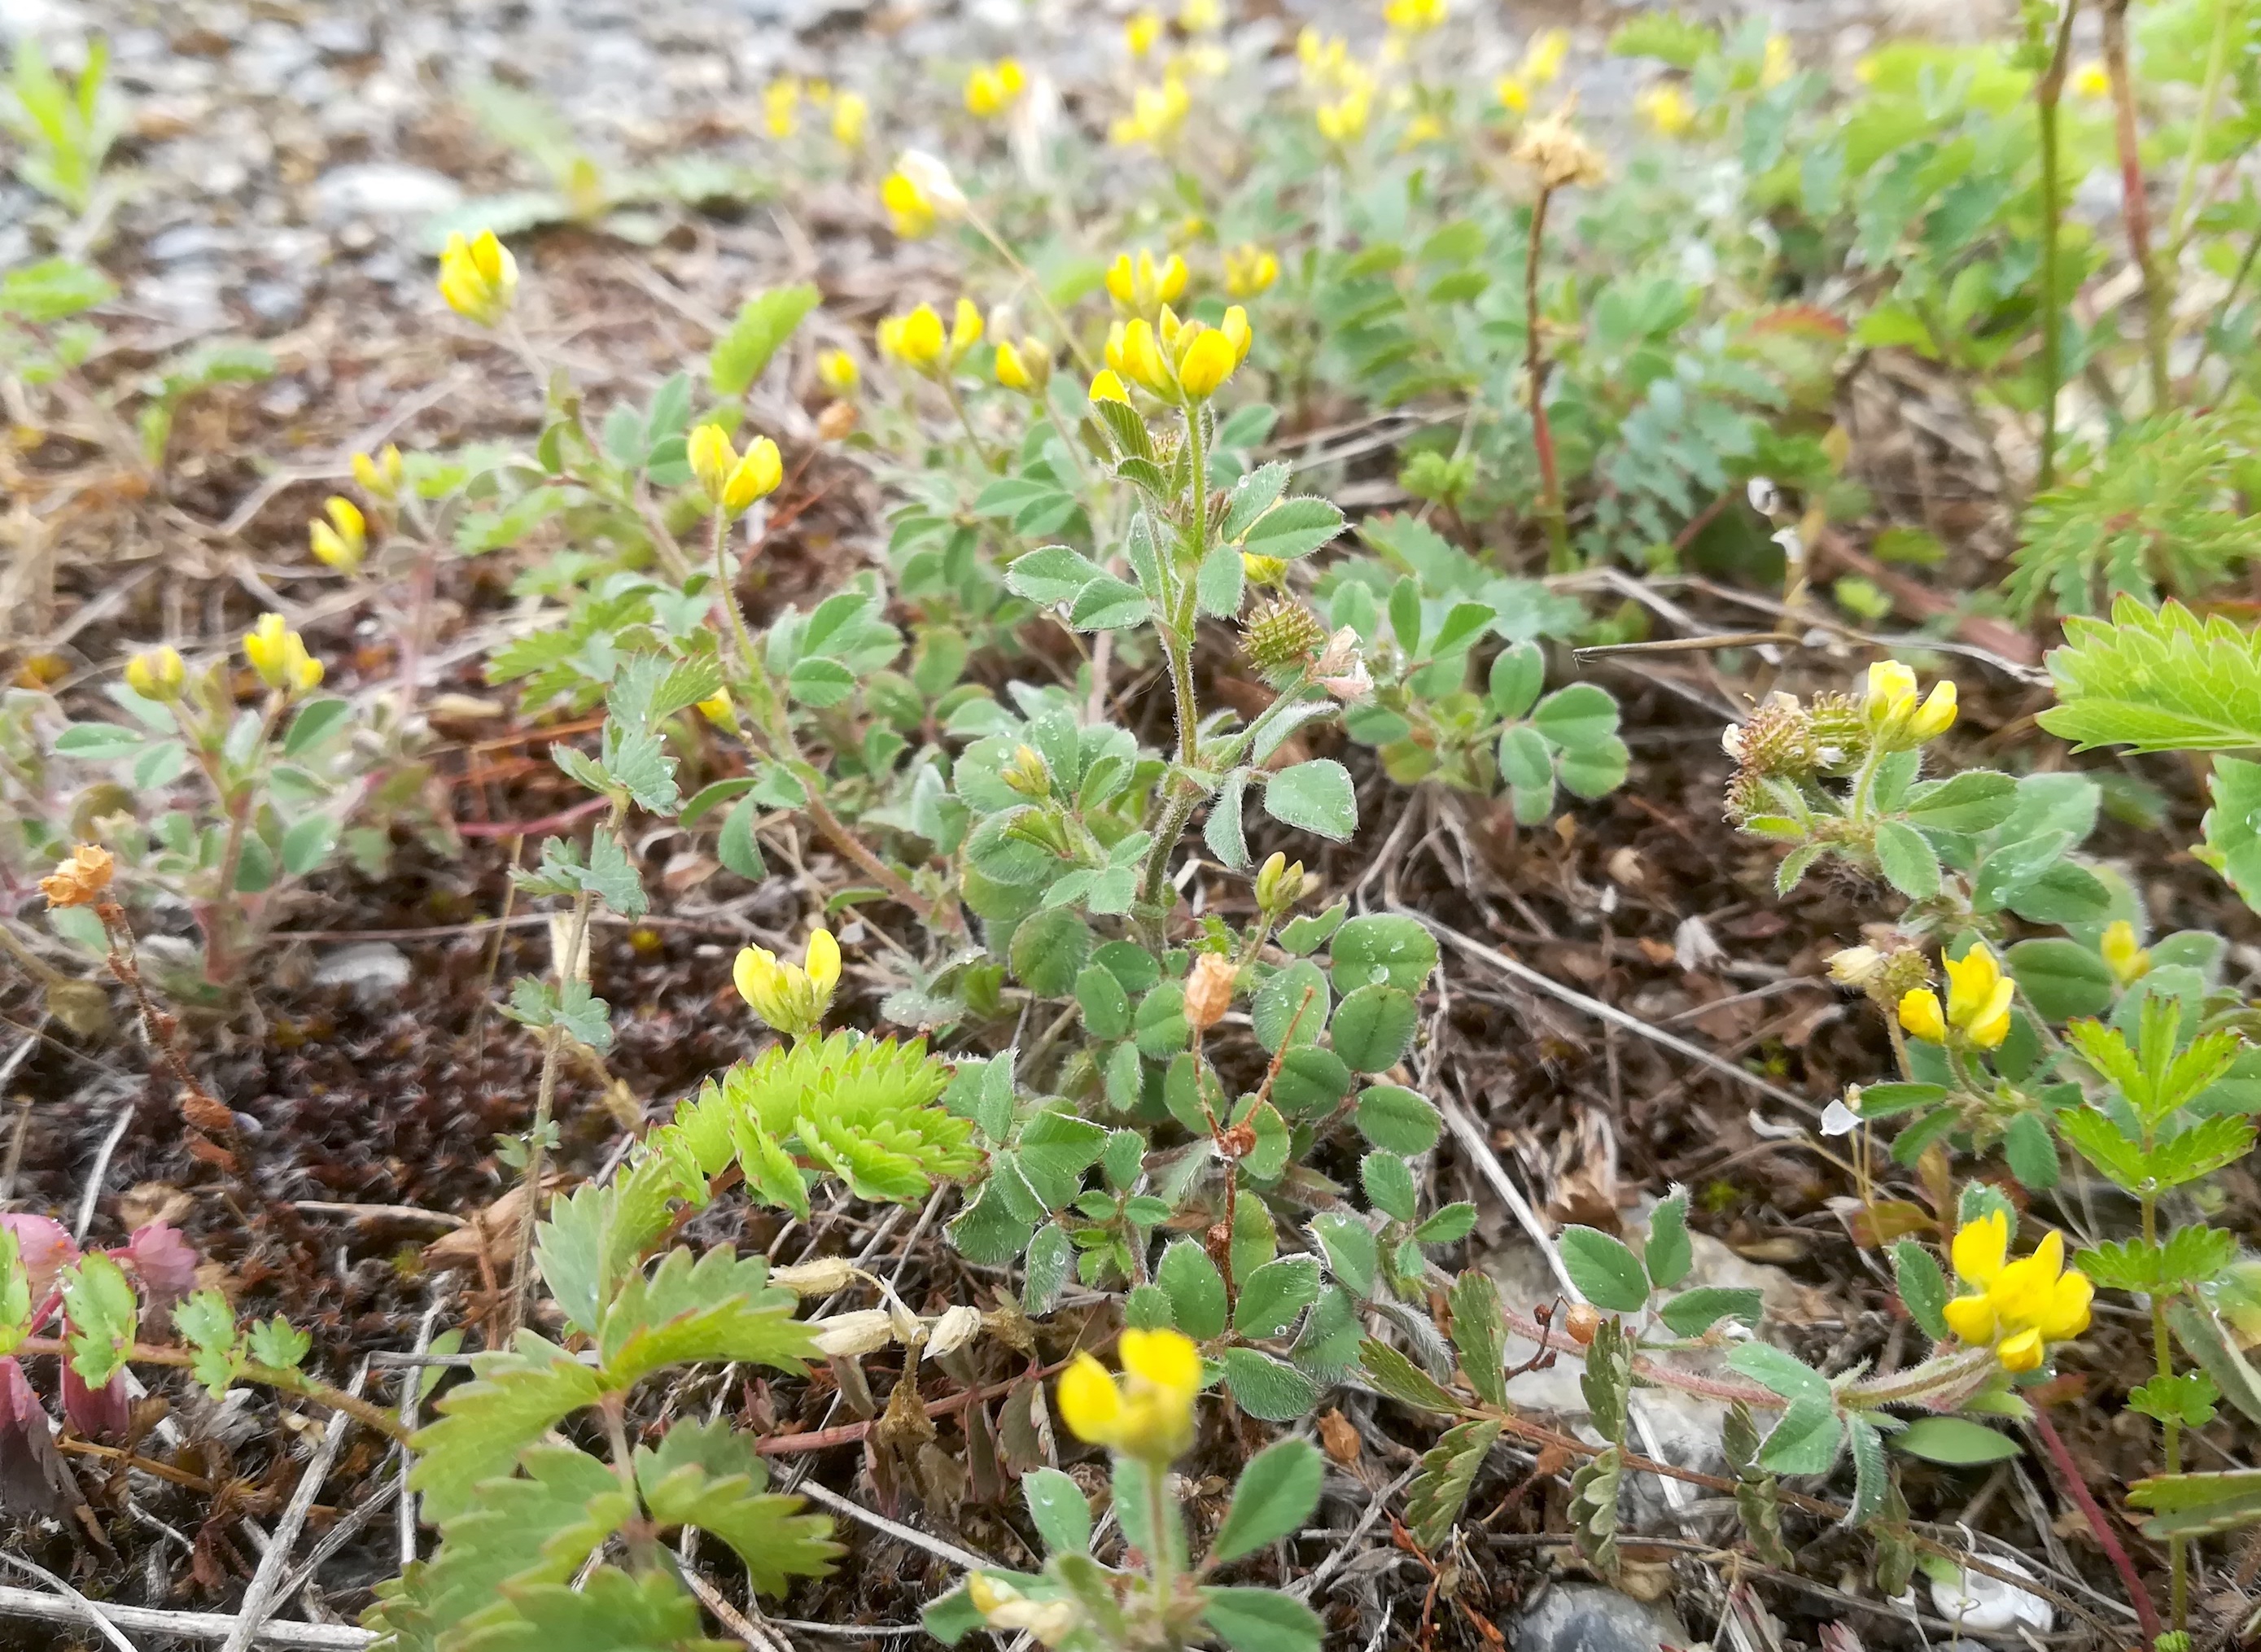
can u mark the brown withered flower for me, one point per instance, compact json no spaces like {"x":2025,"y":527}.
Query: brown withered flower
{"x":1209,"y":990}
{"x":81,"y":880}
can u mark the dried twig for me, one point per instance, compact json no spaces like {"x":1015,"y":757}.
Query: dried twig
{"x":88,"y":1612}
{"x":258,"y":1598}
{"x":179,"y":1625}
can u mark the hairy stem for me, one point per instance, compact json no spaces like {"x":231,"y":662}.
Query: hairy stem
{"x":2049,"y":90}
{"x":268,"y":1377}
{"x":2217,"y":62}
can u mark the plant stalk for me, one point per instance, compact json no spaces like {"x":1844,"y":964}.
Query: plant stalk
{"x":2147,"y":1613}
{"x":1535,"y":372}
{"x":2048,"y":92}
{"x":2134,"y":205}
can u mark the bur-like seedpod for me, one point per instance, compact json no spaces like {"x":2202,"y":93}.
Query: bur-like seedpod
{"x":1281,"y":636}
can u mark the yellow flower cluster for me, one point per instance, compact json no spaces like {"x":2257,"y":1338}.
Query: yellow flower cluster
{"x":379,"y":478}
{"x":1139,"y":286}
{"x":1156,"y":114}
{"x":156,"y":673}
{"x":920,"y":193}
{"x":1004,"y":1607}
{"x":838,"y":372}
{"x":1414,"y":17}
{"x":781,"y":101}
{"x":1141,"y":33}
{"x":1343,"y":120}
{"x":1889,"y":707}
{"x":919,"y":343}
{"x":1978,"y":999}
{"x":278,"y":654}
{"x":1542,"y":63}
{"x":790,"y":997}
{"x":995,"y":88}
{"x":1181,"y":362}
{"x":1026,"y":366}
{"x":342,"y":542}
{"x":2128,"y":958}
{"x":2018,"y":1307}
{"x":732,"y":481}
{"x":1666,"y":107}
{"x":1249,"y":269}
{"x":1149,"y":1413}
{"x":478,"y":278}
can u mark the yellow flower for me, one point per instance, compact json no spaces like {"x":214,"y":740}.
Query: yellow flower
{"x":1889,"y":707}
{"x":1514,"y":94}
{"x":995,"y":88}
{"x":156,"y":673}
{"x":1149,"y":1413}
{"x":1208,"y":362}
{"x":1156,"y":114}
{"x":850,"y":111}
{"x":781,"y":106}
{"x":278,"y":654}
{"x":1776,"y":64}
{"x":478,"y":278}
{"x":2128,"y":960}
{"x":919,"y":193}
{"x":342,"y":542}
{"x":1326,"y":58}
{"x":732,"y":482}
{"x":717,"y":709}
{"x":1107,"y":387}
{"x":1026,"y":367}
{"x":1139,"y":286}
{"x":1413,"y":16}
{"x":1140,"y":33}
{"x":1423,"y":129}
{"x":1249,"y":269}
{"x":790,"y":997}
{"x":1201,"y":17}
{"x":1978,"y":999}
{"x":1544,"y":57}
{"x":379,"y":478}
{"x":1264,"y":571}
{"x":2020,"y":1307}
{"x":1344,"y":120}
{"x":2091,"y":80}
{"x":838,"y":372}
{"x":1666,"y":106}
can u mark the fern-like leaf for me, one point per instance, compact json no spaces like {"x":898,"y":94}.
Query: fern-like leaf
{"x":2160,"y":680}
{"x":613,"y":1611}
{"x":708,"y":1477}
{"x":484,"y":1424}
{"x":2162,"y":511}
{"x":719,"y":1307}
{"x":1438,"y":1493}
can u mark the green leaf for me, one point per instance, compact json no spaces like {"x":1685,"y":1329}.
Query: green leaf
{"x":1668,"y":1252}
{"x":737,"y":847}
{"x":1195,"y":1290}
{"x":1049,"y":950}
{"x":102,"y":1312}
{"x":1108,"y":604}
{"x":1577,"y":717}
{"x":1974,"y":801}
{"x":611,"y":1611}
{"x":2199,"y":1504}
{"x":764,"y":323}
{"x":2063,"y":977}
{"x":2233,"y":827}
{"x":1448,"y":1469}
{"x":1352,"y":1252}
{"x":1373,"y":1027}
{"x":1265,"y":1387}
{"x":1382,"y":948}
{"x":2098,"y":1140}
{"x":1693,"y":1312}
{"x":484,"y":1424}
{"x":1953,"y":1441}
{"x":1277,"y":1492}
{"x":712,"y":1479}
{"x":1261,"y":1620}
{"x":1293,"y":528}
{"x":1909,"y":862}
{"x":1805,"y":1441}
{"x":316,"y":721}
{"x":1291,"y":1008}
{"x":1397,"y":1119}
{"x":1397,"y":1377}
{"x":714,"y":1307}
{"x":1779,"y":1372}
{"x":1314,"y":796}
{"x":1923,"y":1286}
{"x":1389,"y":1183}
{"x":1061,"y":1511}
{"x":1605,"y":1272}
{"x":1275,"y":1294}
{"x":1051,"y":574}
{"x":1480,"y":1334}
{"x":2163,"y":681}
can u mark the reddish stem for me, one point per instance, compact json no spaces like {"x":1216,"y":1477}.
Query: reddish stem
{"x":2099,"y":1522}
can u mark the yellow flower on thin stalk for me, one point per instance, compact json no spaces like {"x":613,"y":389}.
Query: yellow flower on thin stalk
{"x":342,"y":542}
{"x":1149,"y":1411}
{"x":1140,"y":286}
{"x":1249,"y":270}
{"x":478,"y":278}
{"x":1156,"y":114}
{"x":156,"y":673}
{"x":919,"y":341}
{"x":732,"y":481}
{"x":850,"y":112}
{"x":2091,"y":80}
{"x":380,"y":477}
{"x":2017,"y":1308}
{"x":995,"y":88}
{"x":838,"y":372}
{"x":920,"y":193}
{"x":1666,"y":107}
{"x":1142,"y":31}
{"x":278,"y":654}
{"x":1978,"y":1000}
{"x":1895,"y":720}
{"x":781,"y":107}
{"x":1344,"y":120}
{"x":1542,"y":61}
{"x":2124,"y":955}
{"x":790,"y":997}
{"x":1026,"y":367}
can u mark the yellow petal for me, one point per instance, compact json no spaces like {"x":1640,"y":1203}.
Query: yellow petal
{"x":1921,"y":1015}
{"x":1936,"y":715}
{"x":2022,"y":1352}
{"x":1892,"y":688}
{"x":1980,"y":1247}
{"x":758,"y":978}
{"x":1089,"y":1403}
{"x":824,"y":959}
{"x":1107,"y":387}
{"x":1971,"y":1319}
{"x":1209,"y":362}
{"x":1971,"y":980}
{"x":1167,"y":1358}
{"x":2067,"y":1314}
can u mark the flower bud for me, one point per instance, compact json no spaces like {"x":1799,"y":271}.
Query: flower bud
{"x":156,"y":674}
{"x":1028,"y":773}
{"x":278,"y":654}
{"x":838,"y":372}
{"x":1278,"y":884}
{"x":342,"y":542}
{"x":845,"y":1336}
{"x":478,"y":278}
{"x":379,"y":478}
{"x":819,"y":1278}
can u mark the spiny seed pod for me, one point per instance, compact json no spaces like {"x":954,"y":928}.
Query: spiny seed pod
{"x":1746,"y":796}
{"x":1839,"y":736}
{"x":1281,"y":636}
{"x":1777,"y":740}
{"x":1904,"y":969}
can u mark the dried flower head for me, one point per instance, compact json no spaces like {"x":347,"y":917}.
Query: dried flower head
{"x":1553,"y":149}
{"x":80,"y":879}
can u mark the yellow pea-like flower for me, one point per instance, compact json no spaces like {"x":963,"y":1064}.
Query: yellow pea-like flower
{"x":2124,"y":955}
{"x":1666,"y":107}
{"x":965,"y":330}
{"x":1895,"y":717}
{"x":342,"y":542}
{"x":1414,"y":17}
{"x":2091,"y":80}
{"x":908,"y":210}
{"x":1921,"y":1016}
{"x":478,"y":278}
{"x":838,"y":372}
{"x":1544,"y":57}
{"x":781,"y":107}
{"x":849,"y":112}
{"x":1105,"y":386}
{"x":1778,"y":60}
{"x":1208,"y":362}
{"x":1980,"y":1248}
{"x":1026,"y":367}
{"x":1149,"y":1411}
{"x":156,"y":673}
{"x":995,"y":88}
{"x":790,"y":997}
{"x":1344,"y":121}
{"x":380,"y":477}
{"x":279,"y":656}
{"x":1156,"y":114}
{"x":1139,"y":285}
{"x":1979,"y":997}
{"x":1141,"y":32}
{"x":1249,"y":270}
{"x":2018,"y":1307}
{"x":731,"y":481}
{"x":916,"y":340}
